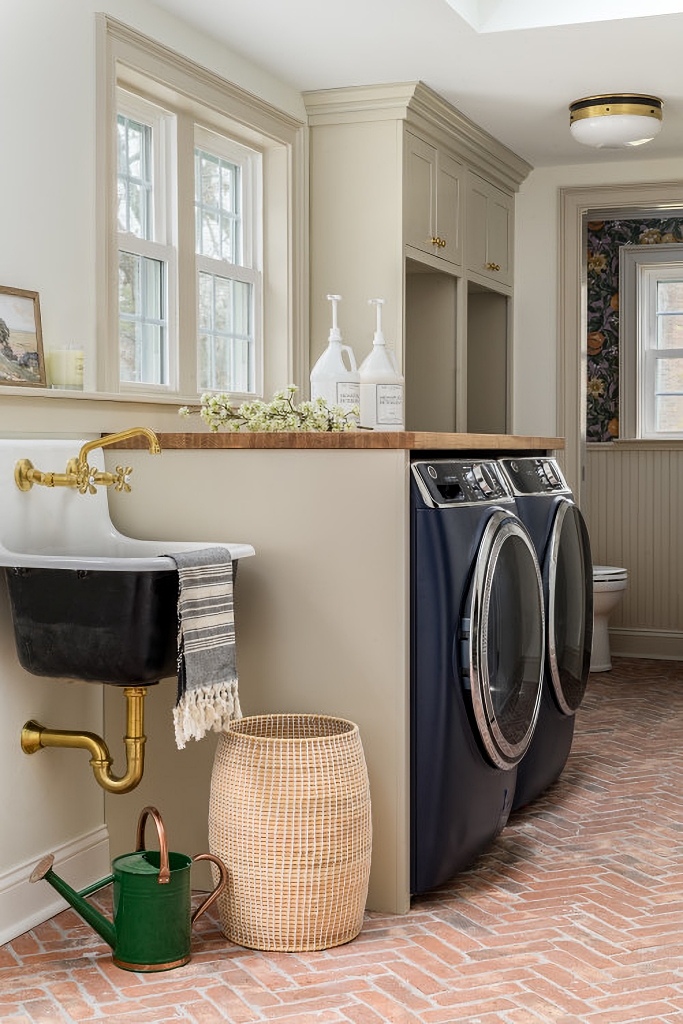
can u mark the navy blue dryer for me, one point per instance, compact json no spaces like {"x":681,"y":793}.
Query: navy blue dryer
{"x":477,"y":652}
{"x":546,"y":507}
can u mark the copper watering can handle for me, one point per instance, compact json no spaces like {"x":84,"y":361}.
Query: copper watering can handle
{"x":223,"y":881}
{"x":164,"y":870}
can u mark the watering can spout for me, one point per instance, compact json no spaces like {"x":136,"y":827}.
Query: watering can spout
{"x":99,"y":922}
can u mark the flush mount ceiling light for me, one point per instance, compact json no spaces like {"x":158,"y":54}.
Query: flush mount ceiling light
{"x":615,"y":121}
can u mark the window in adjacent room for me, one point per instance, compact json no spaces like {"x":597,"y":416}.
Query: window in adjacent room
{"x":651,"y":340}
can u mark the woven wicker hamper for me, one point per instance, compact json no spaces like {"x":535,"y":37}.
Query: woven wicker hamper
{"x":289,"y":816}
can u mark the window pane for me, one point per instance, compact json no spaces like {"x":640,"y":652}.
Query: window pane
{"x":142,"y":320}
{"x":670,"y":296}
{"x":210,"y":235}
{"x":669,"y":414}
{"x":134,"y":185}
{"x":670,"y":330}
{"x":218,"y":208}
{"x":669,"y":377}
{"x":225,"y":358}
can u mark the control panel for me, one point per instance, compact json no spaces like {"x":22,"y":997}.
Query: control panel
{"x":451,"y":482}
{"x":534,"y":476}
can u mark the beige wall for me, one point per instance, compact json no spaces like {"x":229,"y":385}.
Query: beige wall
{"x":47,"y":211}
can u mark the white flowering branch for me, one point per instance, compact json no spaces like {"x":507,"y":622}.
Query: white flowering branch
{"x":281,"y":414}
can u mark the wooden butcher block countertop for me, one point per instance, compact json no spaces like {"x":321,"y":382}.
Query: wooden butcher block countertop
{"x":354,"y":439}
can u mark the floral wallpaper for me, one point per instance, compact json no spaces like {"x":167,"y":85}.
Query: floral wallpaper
{"x":604,"y":239}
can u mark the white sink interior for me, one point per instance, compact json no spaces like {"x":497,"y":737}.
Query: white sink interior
{"x":58,"y":528}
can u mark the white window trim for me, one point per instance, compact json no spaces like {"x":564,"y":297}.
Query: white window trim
{"x":127,"y":58}
{"x":637,"y":265}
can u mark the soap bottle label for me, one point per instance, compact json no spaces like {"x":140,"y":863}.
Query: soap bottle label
{"x":389,"y":404}
{"x":348,"y":394}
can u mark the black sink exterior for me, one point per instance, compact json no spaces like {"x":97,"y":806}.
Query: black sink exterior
{"x":98,"y":626}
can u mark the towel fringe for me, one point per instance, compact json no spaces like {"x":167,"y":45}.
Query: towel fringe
{"x":203,"y":709}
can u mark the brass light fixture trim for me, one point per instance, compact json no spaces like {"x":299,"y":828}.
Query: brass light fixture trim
{"x":616,"y":103}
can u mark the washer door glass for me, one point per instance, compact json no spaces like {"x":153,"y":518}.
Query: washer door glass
{"x":507,"y":640}
{"x":568,"y":573}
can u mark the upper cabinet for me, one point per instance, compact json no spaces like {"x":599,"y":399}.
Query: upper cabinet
{"x":409,"y":202}
{"x":432,"y":200}
{"x":490,"y":230}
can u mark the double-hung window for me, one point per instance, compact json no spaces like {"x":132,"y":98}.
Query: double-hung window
{"x":651,"y":339}
{"x":159,"y":180}
{"x":201,"y":281}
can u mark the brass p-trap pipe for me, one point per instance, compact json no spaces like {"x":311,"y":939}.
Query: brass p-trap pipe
{"x":35,"y":736}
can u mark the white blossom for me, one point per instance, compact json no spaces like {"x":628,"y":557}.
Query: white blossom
{"x":280,"y":414}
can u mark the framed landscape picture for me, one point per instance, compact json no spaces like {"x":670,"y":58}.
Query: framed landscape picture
{"x":21,"y":338}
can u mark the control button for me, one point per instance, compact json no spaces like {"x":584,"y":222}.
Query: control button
{"x":432,"y":472}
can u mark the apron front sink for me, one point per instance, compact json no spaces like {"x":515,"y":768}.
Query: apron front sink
{"x":87,"y":602}
{"x":95,"y":625}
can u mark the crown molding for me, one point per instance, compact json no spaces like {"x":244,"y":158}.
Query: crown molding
{"x":421,"y":108}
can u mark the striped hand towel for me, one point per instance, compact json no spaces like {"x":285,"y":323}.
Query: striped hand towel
{"x":207,"y":666}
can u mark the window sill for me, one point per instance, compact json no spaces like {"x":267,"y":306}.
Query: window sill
{"x":129,"y":398}
{"x":637,"y":444}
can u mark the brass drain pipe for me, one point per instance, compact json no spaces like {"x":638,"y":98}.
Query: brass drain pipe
{"x":35,"y":736}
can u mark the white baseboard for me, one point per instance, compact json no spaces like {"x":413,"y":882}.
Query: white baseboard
{"x":23,"y":904}
{"x":660,"y":644}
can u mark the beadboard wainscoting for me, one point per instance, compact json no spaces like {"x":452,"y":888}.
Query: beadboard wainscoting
{"x":634,"y":510}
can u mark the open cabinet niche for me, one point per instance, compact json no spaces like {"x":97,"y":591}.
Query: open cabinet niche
{"x":488,"y":374}
{"x":430,"y":348}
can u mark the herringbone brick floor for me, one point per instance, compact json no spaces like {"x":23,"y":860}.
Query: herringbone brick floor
{"x":574,"y":915}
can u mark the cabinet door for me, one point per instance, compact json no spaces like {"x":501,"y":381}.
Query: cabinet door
{"x":432,"y":200}
{"x":419,"y":202}
{"x":449,"y":176}
{"x":490,"y":224}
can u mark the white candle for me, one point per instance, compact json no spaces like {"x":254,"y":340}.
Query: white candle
{"x":65,"y":368}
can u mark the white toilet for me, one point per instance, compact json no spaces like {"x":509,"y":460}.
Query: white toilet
{"x":609,"y":583}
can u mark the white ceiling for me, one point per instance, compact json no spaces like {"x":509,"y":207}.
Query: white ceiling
{"x":516,"y":82}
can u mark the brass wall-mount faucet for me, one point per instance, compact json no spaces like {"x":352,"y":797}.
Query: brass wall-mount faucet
{"x":79,"y":474}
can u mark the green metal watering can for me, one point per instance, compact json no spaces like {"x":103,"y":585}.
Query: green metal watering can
{"x":153,"y":918}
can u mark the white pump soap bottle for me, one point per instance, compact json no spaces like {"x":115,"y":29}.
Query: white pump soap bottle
{"x":381,"y":385}
{"x":330,"y":377}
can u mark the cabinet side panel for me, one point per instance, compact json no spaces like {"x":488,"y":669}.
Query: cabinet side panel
{"x":355,"y":231}
{"x":321,"y":618}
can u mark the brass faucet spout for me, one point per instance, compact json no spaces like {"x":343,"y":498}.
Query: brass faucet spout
{"x":123,"y":435}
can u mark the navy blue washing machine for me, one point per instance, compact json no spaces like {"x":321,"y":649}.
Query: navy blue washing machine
{"x":546,"y":506}
{"x":477,"y":655}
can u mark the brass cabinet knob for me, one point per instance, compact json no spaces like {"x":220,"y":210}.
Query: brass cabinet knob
{"x":492,"y":266}
{"x":441,"y":242}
